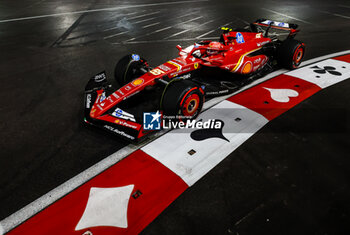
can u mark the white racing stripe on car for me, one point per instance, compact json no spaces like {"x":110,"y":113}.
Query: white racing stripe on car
{"x":324,"y":73}
{"x":49,"y":198}
{"x":172,"y":149}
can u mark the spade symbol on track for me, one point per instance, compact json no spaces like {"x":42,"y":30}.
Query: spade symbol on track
{"x":203,"y":134}
{"x":326,"y":69}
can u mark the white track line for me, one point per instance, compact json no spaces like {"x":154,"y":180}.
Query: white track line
{"x":98,"y":10}
{"x":116,"y":27}
{"x":136,"y":17}
{"x":150,"y":25}
{"x":167,"y":40}
{"x":44,"y":201}
{"x":148,"y":19}
{"x":160,"y":30}
{"x":205,"y":34}
{"x":115,"y":17}
{"x":211,"y":31}
{"x":113,"y":35}
{"x":291,"y":17}
{"x":342,"y":16}
{"x":334,"y":14}
{"x":186,"y":30}
{"x":344,"y":6}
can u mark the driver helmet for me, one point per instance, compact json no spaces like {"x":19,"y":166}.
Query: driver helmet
{"x":214,"y":47}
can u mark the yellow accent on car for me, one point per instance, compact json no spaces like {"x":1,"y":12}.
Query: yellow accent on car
{"x":240,"y":60}
{"x":176,"y":65}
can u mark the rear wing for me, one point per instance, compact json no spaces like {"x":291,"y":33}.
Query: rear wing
{"x":292,"y":28}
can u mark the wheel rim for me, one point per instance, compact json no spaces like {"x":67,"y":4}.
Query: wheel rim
{"x":190,"y":106}
{"x":298,"y":55}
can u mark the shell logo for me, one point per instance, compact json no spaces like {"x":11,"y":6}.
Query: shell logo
{"x":137,"y":82}
{"x":247,"y":68}
{"x":195,"y":65}
{"x":116,"y":121}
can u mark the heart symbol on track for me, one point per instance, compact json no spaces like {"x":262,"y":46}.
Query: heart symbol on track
{"x":282,"y":95}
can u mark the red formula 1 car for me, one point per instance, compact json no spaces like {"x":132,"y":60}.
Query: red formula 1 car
{"x":181,"y":85}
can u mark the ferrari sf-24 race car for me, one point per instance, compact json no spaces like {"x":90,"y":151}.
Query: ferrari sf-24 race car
{"x":180,"y":86}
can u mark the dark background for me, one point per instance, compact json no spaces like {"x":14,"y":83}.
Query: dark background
{"x":291,"y":177}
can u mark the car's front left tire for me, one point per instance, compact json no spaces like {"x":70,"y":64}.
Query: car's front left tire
{"x":128,"y":68}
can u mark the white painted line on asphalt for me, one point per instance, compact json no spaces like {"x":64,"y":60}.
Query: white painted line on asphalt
{"x":167,"y":40}
{"x":44,"y":201}
{"x":211,"y":31}
{"x":334,"y":14}
{"x":186,"y":30}
{"x":205,"y":34}
{"x":109,"y":29}
{"x":133,"y":13}
{"x":291,"y":17}
{"x":342,"y":16}
{"x":150,"y":25}
{"x":156,"y":31}
{"x":116,"y":27}
{"x":98,"y":10}
{"x":115,"y":18}
{"x":159,"y":30}
{"x":344,"y":6}
{"x":113,"y":35}
{"x":148,"y":19}
{"x":136,"y":17}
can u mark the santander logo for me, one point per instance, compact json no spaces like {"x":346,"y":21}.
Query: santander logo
{"x":282,"y":95}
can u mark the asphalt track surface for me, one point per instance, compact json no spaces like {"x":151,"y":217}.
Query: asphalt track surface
{"x":291,"y":177}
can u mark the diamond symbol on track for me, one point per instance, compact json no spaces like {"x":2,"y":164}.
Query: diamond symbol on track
{"x":106,"y":207}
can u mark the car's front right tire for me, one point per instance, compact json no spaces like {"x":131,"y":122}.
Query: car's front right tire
{"x":183,"y":98}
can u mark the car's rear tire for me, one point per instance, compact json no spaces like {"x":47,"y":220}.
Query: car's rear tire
{"x":183,"y":98}
{"x":128,"y":68}
{"x":290,"y":53}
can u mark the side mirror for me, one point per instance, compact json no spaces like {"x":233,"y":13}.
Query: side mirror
{"x":179,"y":47}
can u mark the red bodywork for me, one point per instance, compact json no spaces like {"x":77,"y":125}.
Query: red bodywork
{"x":233,"y":56}
{"x":234,"y":53}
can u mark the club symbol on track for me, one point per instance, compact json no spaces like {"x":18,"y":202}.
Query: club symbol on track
{"x":326,"y":69}
{"x":207,"y":133}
